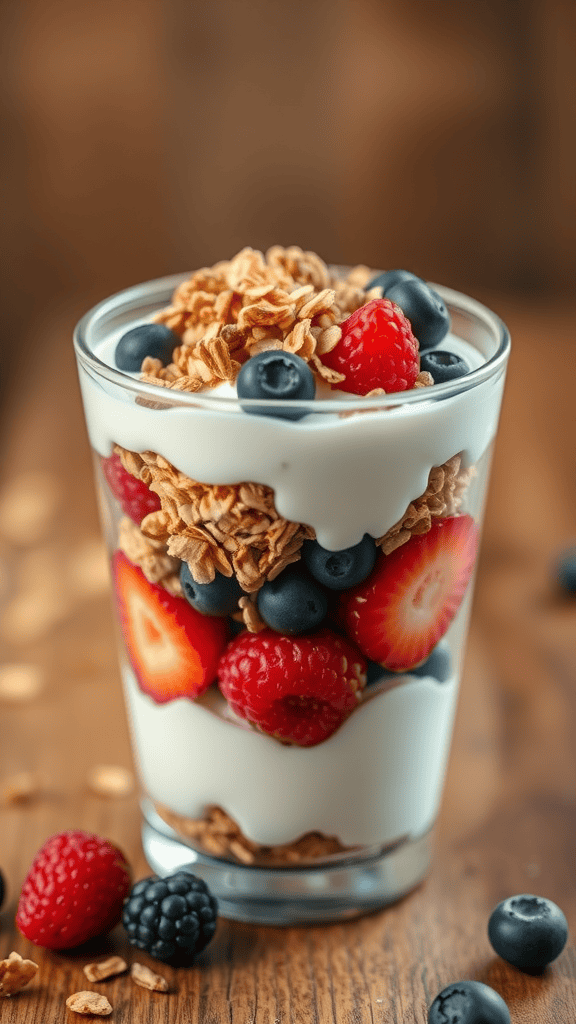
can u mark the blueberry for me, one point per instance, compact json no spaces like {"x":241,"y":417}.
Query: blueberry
{"x":443,"y":365}
{"x":425,"y":310}
{"x":339,"y":570}
{"x":292,"y":603}
{"x":468,"y":1002}
{"x":276,"y":375}
{"x":154,"y":340}
{"x":220,"y":597}
{"x":390,"y":278}
{"x":566,"y":571}
{"x":376,"y":672}
{"x":528,"y":932}
{"x":438,"y":665}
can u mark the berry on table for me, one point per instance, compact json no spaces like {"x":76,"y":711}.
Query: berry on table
{"x":566,"y":571}
{"x":278,"y":375}
{"x":468,"y":1002}
{"x":171,"y":918}
{"x":135,"y":498}
{"x":528,"y":932}
{"x":172,"y":648}
{"x":389,"y":279}
{"x":398,"y":615}
{"x":424,"y":308}
{"x":298,"y":689}
{"x":443,"y":365}
{"x":292,"y":603}
{"x":219,"y":597}
{"x":154,"y":340}
{"x":377,"y":350}
{"x":338,"y":570}
{"x":73,"y":891}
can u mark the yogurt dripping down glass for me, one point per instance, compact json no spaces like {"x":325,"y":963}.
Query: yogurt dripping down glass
{"x":283,"y":832}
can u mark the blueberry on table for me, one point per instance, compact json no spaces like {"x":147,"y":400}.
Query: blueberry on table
{"x":566,"y":571}
{"x":389,"y":279}
{"x":468,"y":1002}
{"x":170,"y":918}
{"x":528,"y":932}
{"x":154,"y":340}
{"x":339,"y":570}
{"x":443,"y":365}
{"x":220,"y":597}
{"x":277,"y":375}
{"x":425,"y":309}
{"x":292,"y":603}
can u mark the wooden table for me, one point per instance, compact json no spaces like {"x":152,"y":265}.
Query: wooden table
{"x":508,"y":822}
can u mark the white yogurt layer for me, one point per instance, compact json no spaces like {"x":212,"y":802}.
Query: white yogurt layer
{"x":343,"y":476}
{"x":376,"y":779}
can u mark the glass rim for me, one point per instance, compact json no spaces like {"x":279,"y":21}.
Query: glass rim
{"x":131,"y":298}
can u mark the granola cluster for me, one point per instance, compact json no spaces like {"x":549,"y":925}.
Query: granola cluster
{"x":232,"y":529}
{"x":286,"y":299}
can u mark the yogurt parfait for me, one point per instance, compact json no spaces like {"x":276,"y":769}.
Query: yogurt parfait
{"x":292,"y":460}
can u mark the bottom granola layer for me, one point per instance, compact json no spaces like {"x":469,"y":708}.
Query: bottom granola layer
{"x":220,"y":836}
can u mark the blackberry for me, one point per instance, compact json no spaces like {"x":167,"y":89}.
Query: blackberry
{"x":171,"y":918}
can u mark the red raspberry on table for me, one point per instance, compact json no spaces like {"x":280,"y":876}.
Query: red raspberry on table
{"x":136,"y":500}
{"x":297,"y":688}
{"x":377,"y":350}
{"x":74,"y":890}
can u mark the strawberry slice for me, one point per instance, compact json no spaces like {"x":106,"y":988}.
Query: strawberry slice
{"x":398,"y":615}
{"x":173,"y":649}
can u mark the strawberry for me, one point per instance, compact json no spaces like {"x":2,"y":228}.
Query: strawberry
{"x":377,"y":350}
{"x":297,"y":688}
{"x":135,"y":499}
{"x":74,"y":890}
{"x":173,"y":649}
{"x":401,"y":611}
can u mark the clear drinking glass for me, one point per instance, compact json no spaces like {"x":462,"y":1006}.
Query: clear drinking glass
{"x":284,"y":833}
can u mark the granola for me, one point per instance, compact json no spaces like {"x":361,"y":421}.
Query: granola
{"x":286,"y":299}
{"x":15,"y":973}
{"x":147,"y":978}
{"x":109,"y":968}
{"x":89,"y":1003}
{"x":219,"y":835}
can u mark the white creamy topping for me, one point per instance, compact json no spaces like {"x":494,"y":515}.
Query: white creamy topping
{"x":343,"y":476}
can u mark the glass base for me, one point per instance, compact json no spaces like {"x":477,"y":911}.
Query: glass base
{"x":334,"y":891}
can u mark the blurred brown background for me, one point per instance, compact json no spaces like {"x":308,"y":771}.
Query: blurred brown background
{"x":144,"y":137}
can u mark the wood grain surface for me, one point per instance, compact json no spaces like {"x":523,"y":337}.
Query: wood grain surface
{"x":508,"y":822}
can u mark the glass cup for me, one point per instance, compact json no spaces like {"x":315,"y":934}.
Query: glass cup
{"x":285,"y":833}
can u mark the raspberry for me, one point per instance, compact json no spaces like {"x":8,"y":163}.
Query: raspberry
{"x":136,"y":500}
{"x":377,"y":350}
{"x":170,"y":918}
{"x":297,"y":688}
{"x":74,"y":890}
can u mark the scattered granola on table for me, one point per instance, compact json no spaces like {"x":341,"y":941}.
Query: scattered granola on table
{"x":15,"y":974}
{"x":88,"y":1003}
